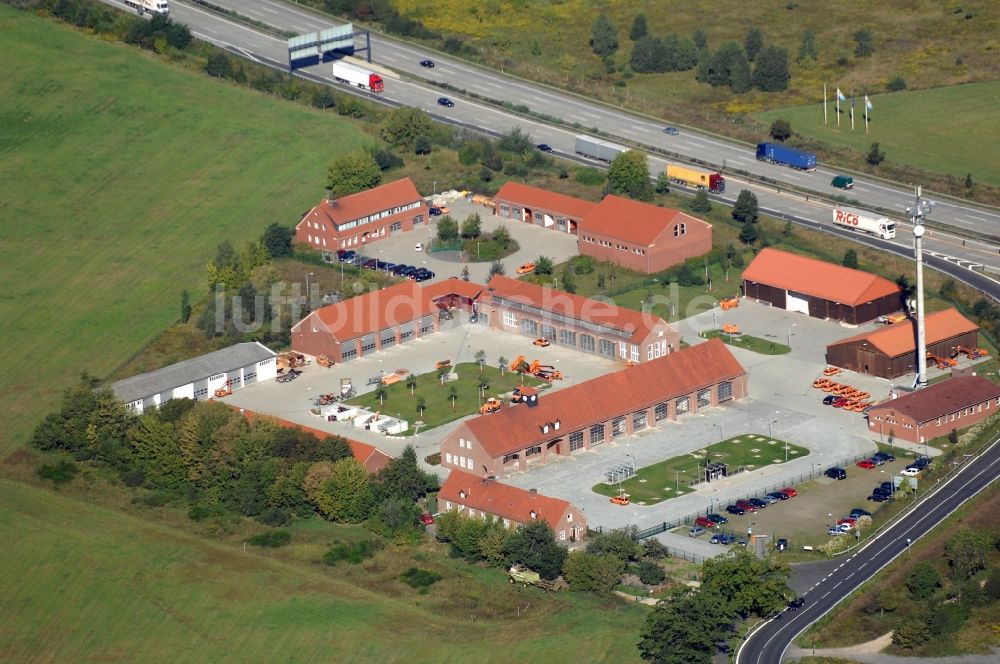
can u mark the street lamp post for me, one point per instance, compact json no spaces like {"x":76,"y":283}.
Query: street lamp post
{"x":722,"y":435}
{"x":790,"y":334}
{"x":435,"y":188}
{"x":769,"y":428}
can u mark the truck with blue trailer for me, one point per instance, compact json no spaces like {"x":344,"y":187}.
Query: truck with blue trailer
{"x":780,"y":154}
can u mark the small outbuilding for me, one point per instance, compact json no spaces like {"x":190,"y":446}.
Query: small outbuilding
{"x":819,"y":289}
{"x":891,"y":351}
{"x":936,"y":410}
{"x":540,"y":207}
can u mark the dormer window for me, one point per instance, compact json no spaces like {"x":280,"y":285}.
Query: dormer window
{"x":533,"y":514}
{"x":555,"y":425}
{"x":461,"y":494}
{"x":545,"y":428}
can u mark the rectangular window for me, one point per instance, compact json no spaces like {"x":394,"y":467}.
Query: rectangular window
{"x":649,"y":351}
{"x":725,"y":391}
{"x":448,"y":457}
{"x":638,"y":420}
{"x":704,"y":398}
{"x":567,"y":338}
{"x":587,"y":343}
{"x":468,"y":444}
{"x":596,"y":434}
{"x":623,"y":351}
{"x":660,"y":412}
{"x":510,"y":319}
{"x":635,"y":353}
{"x":548,"y":332}
{"x":396,"y":226}
{"x":562,"y":534}
{"x":608,"y":348}
{"x":529,"y":327}
{"x":618,"y":427}
{"x":682,"y":405}
{"x":537,"y":449}
{"x":576,"y":441}
{"x":448,"y":504}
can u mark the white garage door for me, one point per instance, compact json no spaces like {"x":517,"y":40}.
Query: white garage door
{"x":795,"y":302}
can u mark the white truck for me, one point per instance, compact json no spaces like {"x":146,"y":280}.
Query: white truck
{"x":597,"y":149}
{"x":357,"y":76}
{"x":864,"y":222}
{"x":159,"y":7}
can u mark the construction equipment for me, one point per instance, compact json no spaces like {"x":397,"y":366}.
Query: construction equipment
{"x":517,"y":363}
{"x":731,"y":328}
{"x":729,"y":303}
{"x":346,"y":388}
{"x":620,"y":500}
{"x":893,"y":318}
{"x":395,"y":376}
{"x":225,"y":390}
{"x":831,"y":371}
{"x":443,"y":364}
{"x":541,"y":341}
{"x":527,"y":578}
{"x":290,"y":360}
{"x":972,"y":354}
{"x":324,"y":361}
{"x":941,"y":362}
{"x":492,"y":405}
{"x":547,"y":372}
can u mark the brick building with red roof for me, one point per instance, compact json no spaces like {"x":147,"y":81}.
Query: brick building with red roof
{"x":592,"y":326}
{"x":358,"y":219}
{"x":819,"y":289}
{"x":454,"y":293}
{"x":936,"y":410}
{"x":477,"y":496}
{"x":367,"y":323}
{"x":540,"y":207}
{"x":891,"y":351}
{"x":642,"y":237}
{"x":565,"y":421}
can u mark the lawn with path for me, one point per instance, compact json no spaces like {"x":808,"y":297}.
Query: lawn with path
{"x":748,"y":342}
{"x":439,"y":407}
{"x":673,"y":477}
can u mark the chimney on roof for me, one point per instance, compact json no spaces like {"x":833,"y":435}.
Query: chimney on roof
{"x":533,"y":492}
{"x":486,"y":481}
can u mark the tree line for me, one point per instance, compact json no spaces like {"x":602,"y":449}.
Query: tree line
{"x":211,"y":458}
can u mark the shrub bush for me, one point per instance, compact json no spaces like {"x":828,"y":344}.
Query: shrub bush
{"x":274,"y":516}
{"x":650,"y":573}
{"x":420,"y":579}
{"x":352,"y":552}
{"x":582,"y":264}
{"x":59,"y":474}
{"x":271,"y":539}
{"x":590,"y":177}
{"x":133,"y":478}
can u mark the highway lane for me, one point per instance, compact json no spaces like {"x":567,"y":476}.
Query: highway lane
{"x":252,"y":44}
{"x":767,"y":645}
{"x":626,"y":125}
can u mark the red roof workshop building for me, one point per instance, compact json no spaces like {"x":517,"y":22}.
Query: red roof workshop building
{"x":355,"y":220}
{"x":592,"y":326}
{"x":454,"y":293}
{"x":481,"y":497}
{"x":936,"y":410}
{"x":818,"y":288}
{"x":540,"y":207}
{"x":891,"y":351}
{"x":367,"y":323}
{"x":565,"y":421}
{"x":642,"y":237}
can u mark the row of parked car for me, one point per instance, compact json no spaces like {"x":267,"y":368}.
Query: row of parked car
{"x":846,"y":524}
{"x":397,"y":269}
{"x":751,"y":505}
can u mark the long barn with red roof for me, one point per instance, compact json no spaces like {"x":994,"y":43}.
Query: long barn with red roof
{"x":819,"y":289}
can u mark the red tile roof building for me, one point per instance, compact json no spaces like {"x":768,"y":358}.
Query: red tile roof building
{"x":367,"y":323}
{"x":819,"y":289}
{"x":454,"y":293}
{"x":358,"y":219}
{"x":642,"y":237}
{"x":891,"y":351}
{"x":565,"y":421}
{"x":478,"y":497}
{"x":540,"y":207}
{"x":936,"y":410}
{"x":593,"y":326}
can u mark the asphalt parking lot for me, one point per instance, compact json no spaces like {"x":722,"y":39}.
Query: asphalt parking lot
{"x":534,"y":241}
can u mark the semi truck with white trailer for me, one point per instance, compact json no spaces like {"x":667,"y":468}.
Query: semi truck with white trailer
{"x":697,"y":177}
{"x":159,"y":7}
{"x":597,"y":149}
{"x":359,"y":77}
{"x":864,"y":222}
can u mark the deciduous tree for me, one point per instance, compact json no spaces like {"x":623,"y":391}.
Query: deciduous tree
{"x":402,"y":126}
{"x":750,"y":585}
{"x":533,"y":545}
{"x":603,"y":37}
{"x":472,"y":226}
{"x":447,"y":229}
{"x":746,"y":210}
{"x":781,"y":130}
{"x":594,"y":573}
{"x":686,"y":629}
{"x":923,"y":581}
{"x":351,"y":173}
{"x":966,"y":551}
{"x":277,"y":239}
{"x":629,"y":175}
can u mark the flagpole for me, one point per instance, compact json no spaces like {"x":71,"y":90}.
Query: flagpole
{"x":838,"y":107}
{"x":866,"y":114}
{"x":852,"y":109}
{"x":824,"y":104}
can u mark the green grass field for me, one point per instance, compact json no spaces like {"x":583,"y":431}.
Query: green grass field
{"x":119,"y":176}
{"x":672,"y":477}
{"x":88,"y":584}
{"x":946,"y":130}
{"x":748,"y":342}
{"x":439,"y":408}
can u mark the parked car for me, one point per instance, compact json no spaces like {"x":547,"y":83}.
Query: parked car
{"x":424,"y":276}
{"x":847,"y":521}
{"x":697,"y":531}
{"x":840,"y":402}
{"x":867,"y":464}
{"x":398,"y":270}
{"x":386,"y":267}
{"x":435,"y":211}
{"x":620,"y":500}
{"x":758,"y":503}
{"x":778,"y":495}
{"x":769,"y":499}
{"x":721,"y":538}
{"x":796,"y":603}
{"x":704,"y":522}
{"x":419,"y":246}
{"x":672,"y":131}
{"x":407,"y":270}
{"x":746,"y":505}
{"x":838,"y":530}
{"x":790,"y":492}
{"x":836,"y":473}
{"x":910,"y":471}
{"x":346,"y":257}
{"x":427,"y":64}
{"x":370,"y":264}
{"x":887,"y":485}
{"x":878,"y":498}
{"x":880,"y":491}
{"x":921,"y":462}
{"x":527,"y":268}
{"x":717,"y":519}
{"x":885,"y":456}
{"x":735,"y":509}
{"x":426,"y":519}
{"x":444,"y":101}
{"x":857,"y":513}
{"x":782,"y":544}
{"x":829,"y":399}
{"x":541,"y":341}
{"x":544,"y":147}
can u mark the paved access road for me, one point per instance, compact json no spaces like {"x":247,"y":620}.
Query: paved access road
{"x":768,"y":644}
{"x":405,"y":58}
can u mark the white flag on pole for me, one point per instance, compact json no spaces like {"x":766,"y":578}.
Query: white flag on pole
{"x":868,"y":104}
{"x":840,"y":95}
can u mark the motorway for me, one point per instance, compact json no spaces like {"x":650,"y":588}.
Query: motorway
{"x":963,"y":258}
{"x":626,"y":126}
{"x":767,"y":645}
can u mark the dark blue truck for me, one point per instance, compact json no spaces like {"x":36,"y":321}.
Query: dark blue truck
{"x":779,"y":154}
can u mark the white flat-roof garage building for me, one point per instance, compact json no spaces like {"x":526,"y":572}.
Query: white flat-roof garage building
{"x":198,"y":378}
